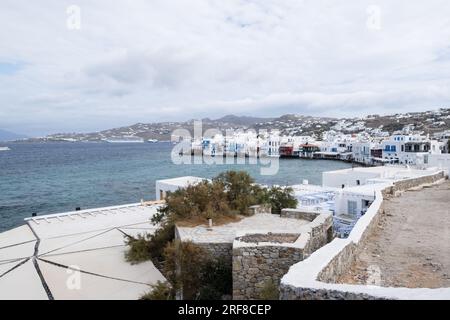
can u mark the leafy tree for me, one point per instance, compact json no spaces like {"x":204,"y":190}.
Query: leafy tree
{"x":240,"y":189}
{"x":204,"y":200}
{"x":281,"y":198}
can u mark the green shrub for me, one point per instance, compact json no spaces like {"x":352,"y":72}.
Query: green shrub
{"x":150,"y":246}
{"x":160,"y":291}
{"x":281,"y":198}
{"x":216,"y":280}
{"x":240,"y":190}
{"x":202,"y":201}
{"x":183,"y":263}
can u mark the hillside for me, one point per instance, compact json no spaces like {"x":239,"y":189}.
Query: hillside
{"x":9,"y":136}
{"x":290,"y":124}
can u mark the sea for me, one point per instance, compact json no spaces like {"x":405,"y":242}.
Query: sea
{"x":54,"y":177}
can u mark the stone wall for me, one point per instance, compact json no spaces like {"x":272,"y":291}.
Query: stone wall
{"x":321,"y":233}
{"x":299,"y":214}
{"x":290,"y":293}
{"x":340,"y":262}
{"x":255,"y":266}
{"x":219,"y":250}
{"x":256,"y":209}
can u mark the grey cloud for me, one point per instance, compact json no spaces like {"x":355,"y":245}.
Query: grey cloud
{"x":173,"y":60}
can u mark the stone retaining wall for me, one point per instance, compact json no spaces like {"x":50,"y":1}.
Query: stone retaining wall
{"x":256,"y":209}
{"x":255,"y":264}
{"x":219,"y":250}
{"x":299,"y":214}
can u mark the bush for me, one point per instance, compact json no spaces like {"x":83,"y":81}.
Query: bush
{"x":281,"y":198}
{"x":217,"y":280}
{"x":191,"y":270}
{"x":198,"y":202}
{"x":240,"y":190}
{"x":150,"y":246}
{"x":270,"y":291}
{"x":183,"y":262}
{"x":160,"y":291}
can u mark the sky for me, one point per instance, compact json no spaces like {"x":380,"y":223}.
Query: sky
{"x":84,"y":66}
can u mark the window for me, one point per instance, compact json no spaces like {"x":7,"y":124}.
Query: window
{"x":351,"y":205}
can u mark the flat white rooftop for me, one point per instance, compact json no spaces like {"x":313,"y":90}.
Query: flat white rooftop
{"x":77,"y":255}
{"x":258,"y":223}
{"x":181,"y":181}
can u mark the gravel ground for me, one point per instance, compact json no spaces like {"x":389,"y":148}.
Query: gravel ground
{"x":411,"y":246}
{"x":270,"y":237}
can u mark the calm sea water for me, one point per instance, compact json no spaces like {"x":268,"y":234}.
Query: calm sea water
{"x":57,"y":177}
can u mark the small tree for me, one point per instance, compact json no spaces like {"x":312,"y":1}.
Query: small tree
{"x":281,"y":198}
{"x":204,"y":200}
{"x":240,"y":189}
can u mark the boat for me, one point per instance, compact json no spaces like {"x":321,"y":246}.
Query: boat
{"x":4,"y":149}
{"x":152,"y":140}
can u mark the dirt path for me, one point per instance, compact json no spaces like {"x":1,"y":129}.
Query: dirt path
{"x":411,"y":246}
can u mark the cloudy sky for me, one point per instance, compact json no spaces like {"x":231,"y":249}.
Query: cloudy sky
{"x":144,"y":61}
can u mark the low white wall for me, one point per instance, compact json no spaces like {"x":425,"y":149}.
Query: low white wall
{"x":348,"y":178}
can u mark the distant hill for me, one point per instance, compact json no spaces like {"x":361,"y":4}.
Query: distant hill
{"x":426,"y":122}
{"x":10,"y":136}
{"x":241,"y":120}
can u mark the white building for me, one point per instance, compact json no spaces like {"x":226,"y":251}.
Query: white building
{"x":171,"y":185}
{"x":409,"y":149}
{"x":361,"y":151}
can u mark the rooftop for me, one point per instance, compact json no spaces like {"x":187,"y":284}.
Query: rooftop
{"x":182,"y":181}
{"x":259,"y":223}
{"x":76,"y":255}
